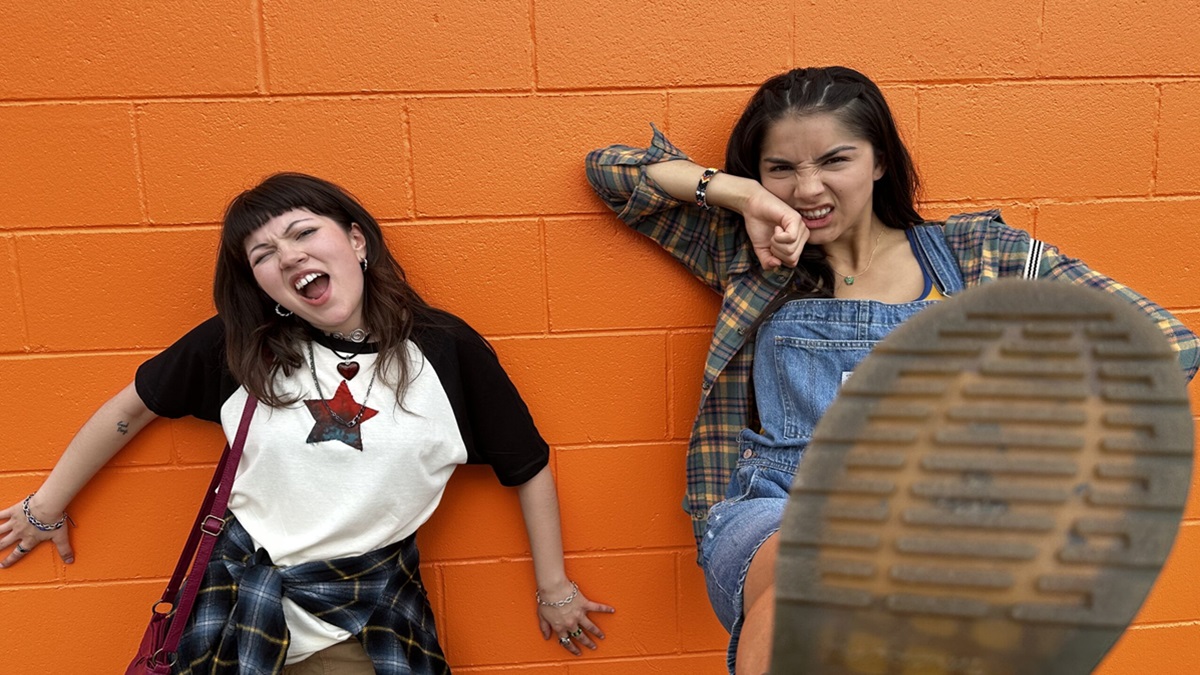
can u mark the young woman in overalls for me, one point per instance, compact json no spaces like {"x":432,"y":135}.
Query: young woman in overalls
{"x":812,"y":236}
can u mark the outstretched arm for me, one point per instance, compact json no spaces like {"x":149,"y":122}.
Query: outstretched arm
{"x":108,"y":430}
{"x":563,"y":609}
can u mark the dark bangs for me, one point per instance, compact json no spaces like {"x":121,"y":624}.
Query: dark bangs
{"x":275,"y":196}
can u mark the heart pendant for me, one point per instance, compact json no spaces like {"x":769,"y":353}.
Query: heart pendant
{"x":347,"y":369}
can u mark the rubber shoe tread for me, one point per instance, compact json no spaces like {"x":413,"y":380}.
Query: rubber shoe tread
{"x":993,"y":492}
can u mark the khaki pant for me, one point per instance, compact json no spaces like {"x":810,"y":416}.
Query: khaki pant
{"x":345,"y":658}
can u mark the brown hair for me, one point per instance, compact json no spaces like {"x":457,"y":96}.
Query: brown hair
{"x":259,"y":344}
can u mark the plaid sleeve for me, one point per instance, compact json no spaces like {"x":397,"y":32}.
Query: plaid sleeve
{"x":1055,"y":265}
{"x":987,"y":248}
{"x":712,"y":244}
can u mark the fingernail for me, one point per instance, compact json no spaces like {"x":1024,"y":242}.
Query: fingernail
{"x":68,"y":561}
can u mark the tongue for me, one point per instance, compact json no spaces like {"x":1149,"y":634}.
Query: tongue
{"x":316,"y":287}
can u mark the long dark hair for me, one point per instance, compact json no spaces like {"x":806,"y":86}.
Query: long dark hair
{"x":259,"y":344}
{"x":859,"y":105}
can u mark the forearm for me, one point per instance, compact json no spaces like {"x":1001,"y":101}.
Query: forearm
{"x":539,"y":505}
{"x":101,"y":437}
{"x":680,"y":177}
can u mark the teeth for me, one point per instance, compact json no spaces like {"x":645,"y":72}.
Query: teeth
{"x":306,"y":280}
{"x":814,"y":215}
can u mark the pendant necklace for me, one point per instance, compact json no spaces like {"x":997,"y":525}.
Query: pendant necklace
{"x":362,"y":408}
{"x":848,"y":279}
{"x":348,"y":367}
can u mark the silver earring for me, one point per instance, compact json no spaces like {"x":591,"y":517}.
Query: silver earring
{"x":285,"y":313}
{"x":363,"y":264}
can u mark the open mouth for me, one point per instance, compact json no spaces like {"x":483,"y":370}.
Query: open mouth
{"x":312,"y":285}
{"x":816,"y":214}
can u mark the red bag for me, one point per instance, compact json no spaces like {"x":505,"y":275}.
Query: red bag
{"x":156,"y":654}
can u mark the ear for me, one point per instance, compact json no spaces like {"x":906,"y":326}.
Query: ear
{"x":879,"y":168}
{"x":357,"y":240}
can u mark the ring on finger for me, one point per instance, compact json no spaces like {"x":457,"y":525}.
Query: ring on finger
{"x":22,"y":549}
{"x":564,"y":640}
{"x":577,"y":632}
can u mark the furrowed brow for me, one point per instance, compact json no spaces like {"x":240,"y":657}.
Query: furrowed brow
{"x":835,"y":151}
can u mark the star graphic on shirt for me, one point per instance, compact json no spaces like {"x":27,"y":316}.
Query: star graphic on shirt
{"x":329,"y":429}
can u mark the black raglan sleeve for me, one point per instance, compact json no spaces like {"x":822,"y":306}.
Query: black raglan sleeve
{"x":494,"y":421}
{"x":190,"y":377}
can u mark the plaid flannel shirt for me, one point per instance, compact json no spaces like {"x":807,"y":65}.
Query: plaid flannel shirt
{"x":237,"y":626}
{"x":714,"y":246}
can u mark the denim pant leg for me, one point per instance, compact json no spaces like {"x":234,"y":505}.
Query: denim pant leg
{"x":739,"y":525}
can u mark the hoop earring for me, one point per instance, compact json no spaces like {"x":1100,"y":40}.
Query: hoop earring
{"x":285,"y":313}
{"x":363,"y":264}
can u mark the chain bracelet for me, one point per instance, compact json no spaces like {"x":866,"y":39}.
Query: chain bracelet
{"x":44,"y":527}
{"x":558,"y":603}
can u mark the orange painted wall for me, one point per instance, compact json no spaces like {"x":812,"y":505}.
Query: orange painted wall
{"x":125,"y":126}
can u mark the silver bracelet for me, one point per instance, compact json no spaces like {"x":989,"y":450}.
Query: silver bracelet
{"x":44,"y":527}
{"x":558,"y":603}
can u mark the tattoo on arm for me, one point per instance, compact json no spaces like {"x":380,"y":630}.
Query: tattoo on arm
{"x":122,"y":428}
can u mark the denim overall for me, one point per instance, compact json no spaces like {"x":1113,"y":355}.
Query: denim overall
{"x":802,"y":355}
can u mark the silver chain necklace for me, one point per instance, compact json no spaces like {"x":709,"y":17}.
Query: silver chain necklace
{"x":362,"y":408}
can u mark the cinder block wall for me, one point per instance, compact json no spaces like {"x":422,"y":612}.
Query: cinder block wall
{"x":126,"y":125}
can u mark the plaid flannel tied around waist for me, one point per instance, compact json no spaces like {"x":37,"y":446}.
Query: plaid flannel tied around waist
{"x":238,"y":627}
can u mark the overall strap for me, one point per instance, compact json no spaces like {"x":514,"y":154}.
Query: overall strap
{"x":929,"y":243}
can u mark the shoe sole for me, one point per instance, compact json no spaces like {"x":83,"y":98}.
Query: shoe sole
{"x":993,"y":492}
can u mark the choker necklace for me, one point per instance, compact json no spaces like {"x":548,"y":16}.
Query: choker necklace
{"x":362,"y":408}
{"x":848,"y":279}
{"x":356,"y":335}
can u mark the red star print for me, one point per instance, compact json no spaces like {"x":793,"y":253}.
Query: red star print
{"x":329,"y":429}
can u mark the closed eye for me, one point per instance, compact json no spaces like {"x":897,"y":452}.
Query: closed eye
{"x":259,"y":258}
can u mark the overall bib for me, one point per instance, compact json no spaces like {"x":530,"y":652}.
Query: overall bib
{"x":803,"y":354}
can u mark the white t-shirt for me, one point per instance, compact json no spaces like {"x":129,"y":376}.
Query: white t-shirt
{"x":312,"y":487}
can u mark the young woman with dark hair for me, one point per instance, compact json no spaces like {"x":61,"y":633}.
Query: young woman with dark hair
{"x":811,"y":233}
{"x":368,"y":400}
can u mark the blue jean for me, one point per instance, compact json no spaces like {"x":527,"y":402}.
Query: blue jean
{"x":803,"y":354}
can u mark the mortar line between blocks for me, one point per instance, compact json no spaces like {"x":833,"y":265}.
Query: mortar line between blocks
{"x":260,"y":39}
{"x":669,"y":353}
{"x":11,"y":243}
{"x":533,"y":62}
{"x":1158,"y":121}
{"x":792,"y":34}
{"x":545,"y":260}
{"x":512,"y":92}
{"x":406,"y":123}
{"x":139,"y":162}
{"x":1041,"y":46}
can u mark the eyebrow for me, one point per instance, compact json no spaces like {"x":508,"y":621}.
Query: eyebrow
{"x":286,"y":231}
{"x":831,"y":153}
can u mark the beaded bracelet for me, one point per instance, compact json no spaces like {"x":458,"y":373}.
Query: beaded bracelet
{"x":702,"y":188}
{"x":44,"y":527}
{"x":558,"y":603}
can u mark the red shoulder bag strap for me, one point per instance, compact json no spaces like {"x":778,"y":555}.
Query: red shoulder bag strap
{"x":209,"y":523}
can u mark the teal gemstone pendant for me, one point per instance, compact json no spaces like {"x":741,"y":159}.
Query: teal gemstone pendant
{"x":849,"y":280}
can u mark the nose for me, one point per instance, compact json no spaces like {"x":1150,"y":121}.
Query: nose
{"x":291,"y":255}
{"x":808,"y":185}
